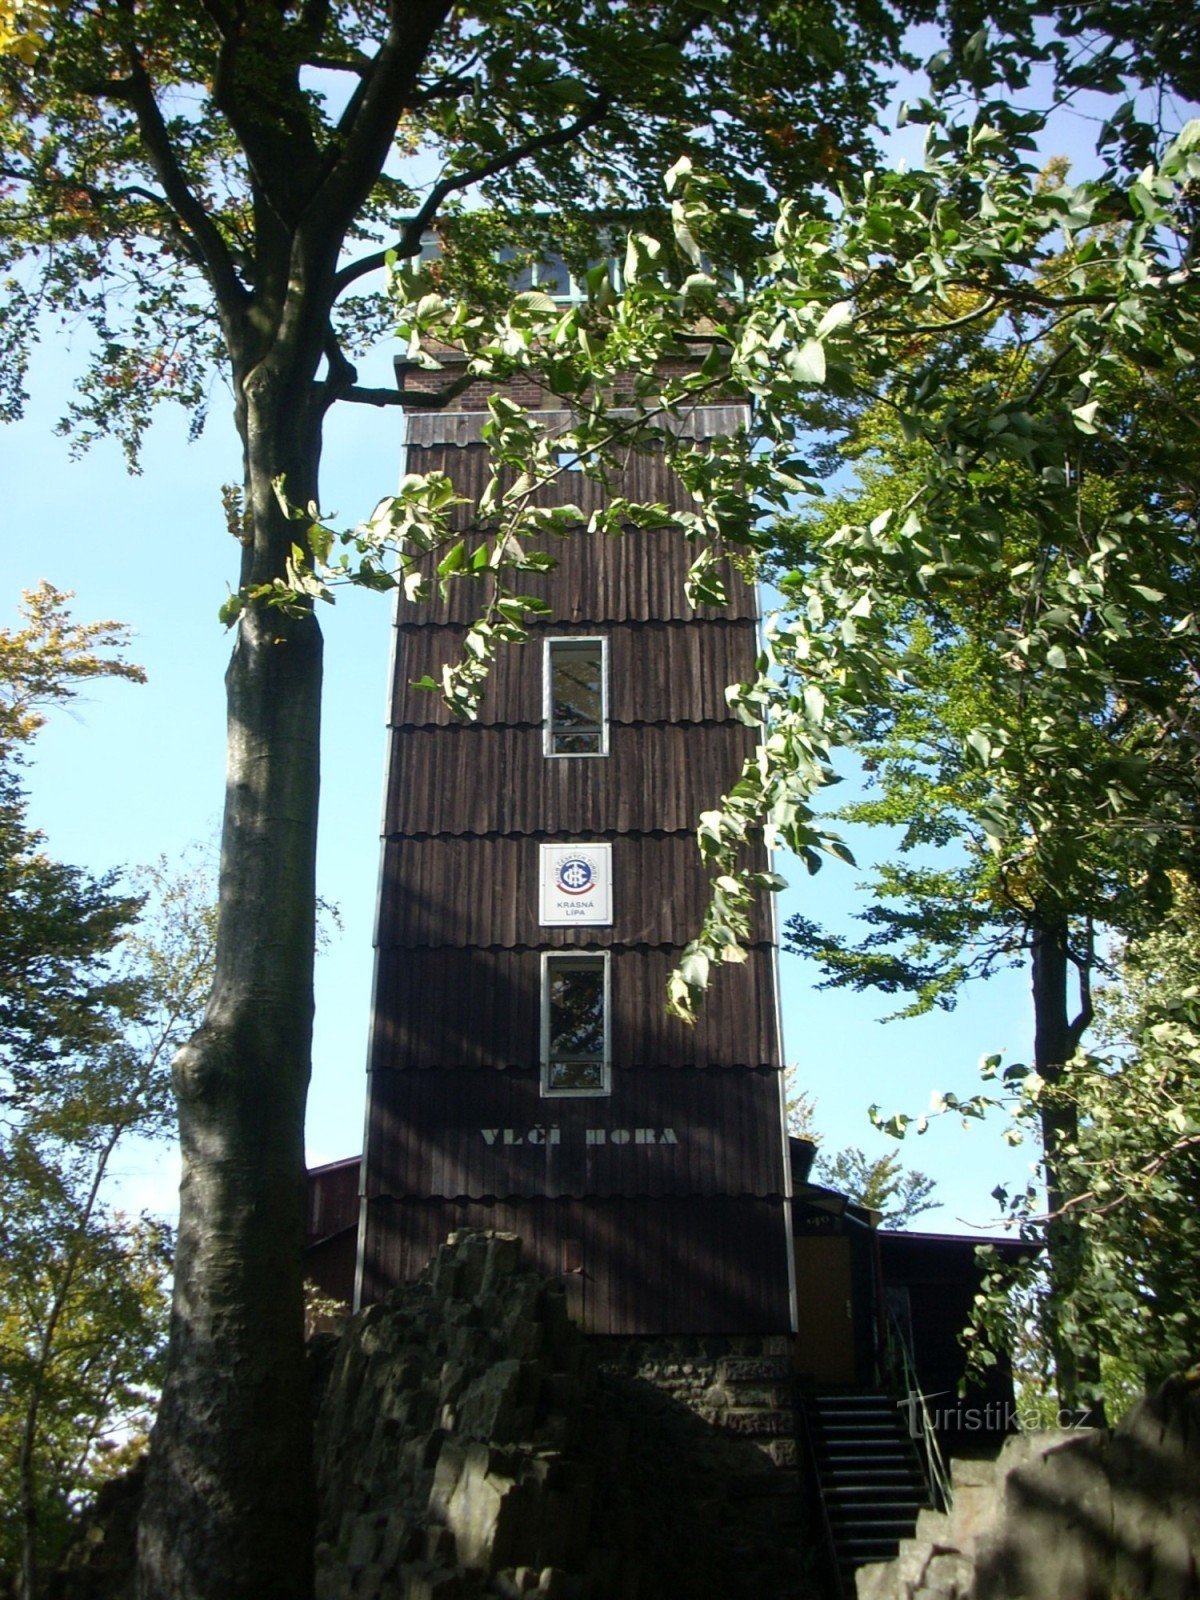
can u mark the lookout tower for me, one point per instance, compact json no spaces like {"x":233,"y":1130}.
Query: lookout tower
{"x":539,"y":881}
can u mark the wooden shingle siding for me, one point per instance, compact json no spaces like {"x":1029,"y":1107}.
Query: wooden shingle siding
{"x":481,"y":1008}
{"x":643,"y":479}
{"x":648,"y":1265}
{"x":470,"y":891}
{"x":459,"y":1134}
{"x":658,"y":672}
{"x":670,"y":1186}
{"x":468,"y":779}
{"x":587,"y":588}
{"x":332,"y":1199}
{"x":430,"y":429}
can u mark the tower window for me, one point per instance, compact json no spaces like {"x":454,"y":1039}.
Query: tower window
{"x":576,"y":696}
{"x":575,"y":1057}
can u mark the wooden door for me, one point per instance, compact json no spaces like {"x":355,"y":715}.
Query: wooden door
{"x":824,"y":1349}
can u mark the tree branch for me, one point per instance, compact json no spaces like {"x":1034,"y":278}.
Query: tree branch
{"x":913,"y":330}
{"x":213,"y":252}
{"x":1148,"y":1169}
{"x":409,"y":242}
{"x":256,"y":87}
{"x":427,"y":399}
{"x":1083,"y":962}
{"x":359,"y":395}
{"x":368,"y":125}
{"x":223,"y":17}
{"x":185,"y":243}
{"x":359,"y":64}
{"x":312,"y":21}
{"x":450,"y":86}
{"x":342,"y":374}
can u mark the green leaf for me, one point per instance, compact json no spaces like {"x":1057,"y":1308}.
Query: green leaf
{"x":979,"y":742}
{"x":837,"y":316}
{"x":694,"y":968}
{"x":534,"y":300}
{"x":807,"y":365}
{"x":454,"y":560}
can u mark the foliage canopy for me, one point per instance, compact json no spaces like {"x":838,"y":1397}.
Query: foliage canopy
{"x":161,"y":163}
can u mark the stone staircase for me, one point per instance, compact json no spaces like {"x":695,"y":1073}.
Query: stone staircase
{"x":870,"y":1477}
{"x":938,"y":1561}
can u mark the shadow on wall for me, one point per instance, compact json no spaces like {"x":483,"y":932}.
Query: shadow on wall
{"x":710,"y":1517}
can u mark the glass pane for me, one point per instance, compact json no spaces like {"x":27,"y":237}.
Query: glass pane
{"x":576,"y":1075}
{"x":577,"y":744}
{"x":576,"y":1011}
{"x":576,"y":687}
{"x":553,"y":277}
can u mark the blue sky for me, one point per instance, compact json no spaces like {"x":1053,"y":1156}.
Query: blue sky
{"x":129,"y":773}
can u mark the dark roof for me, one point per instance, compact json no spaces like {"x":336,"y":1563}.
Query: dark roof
{"x":335,"y":1166}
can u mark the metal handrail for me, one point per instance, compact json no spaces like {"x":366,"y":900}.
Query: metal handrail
{"x":934,"y":1463}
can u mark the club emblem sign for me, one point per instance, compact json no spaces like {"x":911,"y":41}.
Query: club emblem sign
{"x":575,"y":885}
{"x":575,"y":876}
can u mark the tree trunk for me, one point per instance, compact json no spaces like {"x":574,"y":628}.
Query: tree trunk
{"x":1056,"y":1038}
{"x":228,"y":1509}
{"x":1053,"y":1045}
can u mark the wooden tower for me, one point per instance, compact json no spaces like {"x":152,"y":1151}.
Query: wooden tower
{"x":540,"y":878}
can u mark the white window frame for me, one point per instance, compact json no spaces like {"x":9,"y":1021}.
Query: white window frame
{"x":592,"y":958}
{"x":548,"y":697}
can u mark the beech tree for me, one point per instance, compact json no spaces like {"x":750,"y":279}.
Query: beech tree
{"x":212,"y":189}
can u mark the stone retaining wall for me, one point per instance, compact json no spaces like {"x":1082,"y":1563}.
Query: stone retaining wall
{"x":713,"y":1450}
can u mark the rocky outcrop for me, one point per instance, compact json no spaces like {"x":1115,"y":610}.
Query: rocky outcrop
{"x":100,"y":1558}
{"x":1083,"y":1515}
{"x":448,"y":1460}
